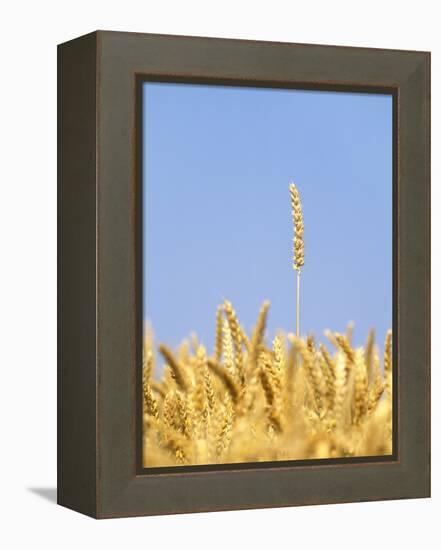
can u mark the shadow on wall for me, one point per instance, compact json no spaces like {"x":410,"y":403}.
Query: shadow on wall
{"x":48,"y":493}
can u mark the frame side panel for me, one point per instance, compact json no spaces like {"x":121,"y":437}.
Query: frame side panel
{"x":414,"y":276}
{"x":77,"y":378}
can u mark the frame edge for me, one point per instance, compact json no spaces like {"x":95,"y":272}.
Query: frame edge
{"x":76,"y":265}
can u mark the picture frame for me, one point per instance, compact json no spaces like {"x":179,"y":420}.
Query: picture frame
{"x":100,"y":470}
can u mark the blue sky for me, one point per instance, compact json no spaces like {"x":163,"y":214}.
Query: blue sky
{"x":217,"y":220}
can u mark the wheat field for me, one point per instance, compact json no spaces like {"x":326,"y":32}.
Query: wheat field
{"x":248,"y":401}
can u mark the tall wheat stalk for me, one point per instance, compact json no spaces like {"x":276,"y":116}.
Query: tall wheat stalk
{"x":298,"y":245}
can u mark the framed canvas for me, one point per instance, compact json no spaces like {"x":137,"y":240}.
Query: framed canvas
{"x":244,"y":274}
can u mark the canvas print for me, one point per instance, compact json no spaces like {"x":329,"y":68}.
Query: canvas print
{"x":266,"y":274}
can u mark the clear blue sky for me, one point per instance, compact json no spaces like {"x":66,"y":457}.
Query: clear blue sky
{"x":217,"y":216}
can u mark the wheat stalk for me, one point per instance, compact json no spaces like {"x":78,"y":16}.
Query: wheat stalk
{"x":150,"y":404}
{"x":298,"y":245}
{"x":218,"y":339}
{"x":228,"y":347}
{"x":236,"y":334}
{"x":387,"y":361}
{"x":258,"y":335}
{"x":225,"y":378}
{"x":175,"y":367}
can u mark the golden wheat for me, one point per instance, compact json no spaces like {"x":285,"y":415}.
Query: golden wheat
{"x":298,"y":245}
{"x":297,"y":217}
{"x":250,"y":403}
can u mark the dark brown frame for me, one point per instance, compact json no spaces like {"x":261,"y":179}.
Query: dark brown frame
{"x":99,"y":470}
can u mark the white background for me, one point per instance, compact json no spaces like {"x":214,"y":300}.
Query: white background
{"x":29,"y":33}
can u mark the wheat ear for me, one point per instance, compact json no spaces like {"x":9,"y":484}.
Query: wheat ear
{"x":175,"y":367}
{"x":225,"y":377}
{"x":388,"y":362}
{"x":299,"y":246}
{"x":150,"y":404}
{"x":218,"y":339}
{"x":236,"y":334}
